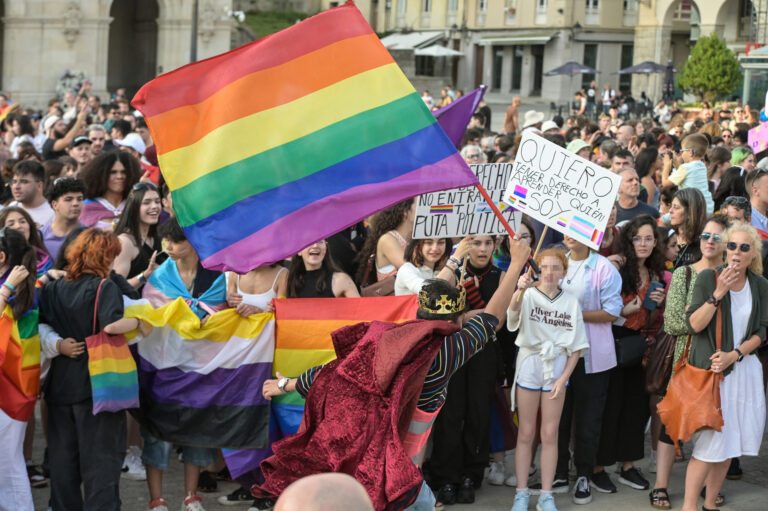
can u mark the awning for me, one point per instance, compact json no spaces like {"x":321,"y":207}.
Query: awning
{"x":437,"y":51}
{"x":411,"y":40}
{"x":518,"y":40}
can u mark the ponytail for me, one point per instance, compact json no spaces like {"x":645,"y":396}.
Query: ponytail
{"x":25,"y":292}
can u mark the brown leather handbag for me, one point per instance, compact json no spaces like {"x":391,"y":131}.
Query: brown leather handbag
{"x":384,"y":287}
{"x":692,"y":402}
{"x":661,"y":354}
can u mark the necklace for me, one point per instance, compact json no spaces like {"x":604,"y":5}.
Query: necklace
{"x":576,"y":272}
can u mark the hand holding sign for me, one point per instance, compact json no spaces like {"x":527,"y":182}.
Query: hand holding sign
{"x":562,"y":190}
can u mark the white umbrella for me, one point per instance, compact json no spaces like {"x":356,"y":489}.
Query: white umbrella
{"x":437,"y":51}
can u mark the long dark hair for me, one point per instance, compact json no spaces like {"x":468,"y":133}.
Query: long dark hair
{"x":695,"y":209}
{"x":129,"y":219}
{"x":732,"y":183}
{"x":35,"y":239}
{"x":382,"y":223}
{"x":630,"y":271}
{"x":645,"y":160}
{"x":414,"y":255}
{"x":18,"y":252}
{"x":297,"y":271}
{"x":95,"y":174}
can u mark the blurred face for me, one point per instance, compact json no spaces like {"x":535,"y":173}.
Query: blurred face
{"x":748,"y":163}
{"x":620,"y":162}
{"x":672,"y":249}
{"x":81,"y":153}
{"x":585,"y":153}
{"x":59,"y":128}
{"x":24,"y":188}
{"x":17,"y":221}
{"x":760,"y":188}
{"x":571,"y":243}
{"x":525,"y":235}
{"x":177,"y":249}
{"x":727,"y":137}
{"x":68,"y":206}
{"x":639,"y":129}
{"x":432,"y":250}
{"x":676,"y":213}
{"x":735,"y":214}
{"x":144,"y":134}
{"x":737,"y":259}
{"x":552,"y":271}
{"x":313,"y":255}
{"x":70,"y":170}
{"x":711,"y":243}
{"x":644,"y":241}
{"x":630,"y":184}
{"x":16,"y":127}
{"x":97,"y":141}
{"x":117,"y":177}
{"x":481,"y":250}
{"x":604,"y":123}
{"x":473,"y":156}
{"x":612,"y":217}
{"x":149,"y":212}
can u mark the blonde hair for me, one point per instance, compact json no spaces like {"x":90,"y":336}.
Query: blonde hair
{"x":757,"y":263}
{"x":552,"y":252}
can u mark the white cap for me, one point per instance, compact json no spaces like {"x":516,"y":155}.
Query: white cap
{"x":549,"y":125}
{"x":134,"y":141}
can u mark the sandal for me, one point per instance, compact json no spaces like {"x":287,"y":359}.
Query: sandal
{"x":660,"y":498}
{"x":719,"y":500}
{"x":206,"y":483}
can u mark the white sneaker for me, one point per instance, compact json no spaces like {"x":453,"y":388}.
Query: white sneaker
{"x":193,"y":503}
{"x":496,"y":474}
{"x":133,"y":468}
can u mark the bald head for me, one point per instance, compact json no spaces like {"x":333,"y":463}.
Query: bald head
{"x":325,"y":492}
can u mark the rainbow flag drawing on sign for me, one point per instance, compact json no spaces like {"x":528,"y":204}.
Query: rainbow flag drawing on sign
{"x":303,"y":340}
{"x":306,"y":131}
{"x":19,"y":364}
{"x":441,"y":210}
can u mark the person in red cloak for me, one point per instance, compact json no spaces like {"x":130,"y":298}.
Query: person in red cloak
{"x":369,"y":412}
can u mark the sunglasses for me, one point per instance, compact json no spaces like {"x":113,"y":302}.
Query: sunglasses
{"x":65,"y":179}
{"x":706,"y":236}
{"x":736,"y":200}
{"x":144,"y":185}
{"x":744,"y":247}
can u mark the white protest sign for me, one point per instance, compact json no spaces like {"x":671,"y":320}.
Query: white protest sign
{"x":461,"y":211}
{"x":564,"y":191}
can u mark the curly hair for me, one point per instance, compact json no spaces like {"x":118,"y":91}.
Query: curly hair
{"x":95,"y":174}
{"x":381,"y":223}
{"x":757,"y":262}
{"x":92,"y":252}
{"x":630,"y":270}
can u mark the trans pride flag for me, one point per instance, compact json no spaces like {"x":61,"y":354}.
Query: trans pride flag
{"x":306,"y":132}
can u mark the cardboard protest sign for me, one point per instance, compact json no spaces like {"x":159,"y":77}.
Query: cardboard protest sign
{"x":757,"y":138}
{"x":461,"y":211}
{"x":562,"y":190}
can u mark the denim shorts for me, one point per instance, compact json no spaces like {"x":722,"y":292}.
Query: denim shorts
{"x":156,"y":453}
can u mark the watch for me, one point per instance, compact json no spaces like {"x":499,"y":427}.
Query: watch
{"x":281,"y":383}
{"x":741,"y":355}
{"x":714,"y":301}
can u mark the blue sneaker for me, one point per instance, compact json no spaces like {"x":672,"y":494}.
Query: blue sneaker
{"x":546,"y":503}
{"x":521,"y":501}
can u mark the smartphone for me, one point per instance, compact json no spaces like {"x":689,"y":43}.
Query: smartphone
{"x":648,"y":303}
{"x":161,"y":257}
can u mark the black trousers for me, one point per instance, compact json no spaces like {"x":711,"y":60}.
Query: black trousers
{"x":461,"y":439}
{"x":583,"y":409}
{"x":625,"y":416}
{"x":85,"y":449}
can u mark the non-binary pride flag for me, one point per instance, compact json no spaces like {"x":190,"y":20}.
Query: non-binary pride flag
{"x":291,"y":138}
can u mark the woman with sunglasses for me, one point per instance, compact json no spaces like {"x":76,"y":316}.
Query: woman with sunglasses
{"x":108,"y":178}
{"x":687,"y":215}
{"x":137,"y":232}
{"x":742,"y":293}
{"x":712,"y":247}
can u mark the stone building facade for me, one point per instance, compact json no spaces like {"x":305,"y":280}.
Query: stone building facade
{"x":115,"y":43}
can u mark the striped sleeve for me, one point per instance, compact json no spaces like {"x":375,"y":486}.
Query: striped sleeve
{"x":305,"y":379}
{"x":456,"y":350}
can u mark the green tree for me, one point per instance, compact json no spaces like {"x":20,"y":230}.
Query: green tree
{"x":711,"y":71}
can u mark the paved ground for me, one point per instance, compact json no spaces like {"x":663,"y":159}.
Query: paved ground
{"x":748,"y":494}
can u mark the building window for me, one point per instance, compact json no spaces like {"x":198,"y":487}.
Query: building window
{"x":541,"y":12}
{"x":426,"y":5}
{"x":511,"y":11}
{"x":683,"y":11}
{"x":630,"y":5}
{"x":592,"y":12}
{"x":402,"y":5}
{"x":425,"y":66}
{"x":627,"y":55}
{"x":590,"y":59}
{"x":482,"y":5}
{"x":334,"y":4}
{"x":498,"y":64}
{"x":453,"y":5}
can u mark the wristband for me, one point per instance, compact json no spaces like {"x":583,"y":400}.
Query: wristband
{"x":10,"y":286}
{"x":741,"y":355}
{"x":58,"y":346}
{"x":281,"y":383}
{"x":141,"y":278}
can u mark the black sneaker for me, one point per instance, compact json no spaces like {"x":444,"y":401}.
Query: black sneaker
{"x":261,"y":504}
{"x":633,"y":479}
{"x":239,"y":496}
{"x":466,"y":493}
{"x":447,"y":494}
{"x":581,"y":492}
{"x":734,"y":471}
{"x":559,"y":485}
{"x":601,"y":482}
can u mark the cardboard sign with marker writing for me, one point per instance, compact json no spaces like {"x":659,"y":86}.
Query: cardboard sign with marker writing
{"x":562,"y":190}
{"x":462,"y":211}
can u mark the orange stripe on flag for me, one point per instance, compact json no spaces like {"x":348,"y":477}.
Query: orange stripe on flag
{"x":382,"y":308}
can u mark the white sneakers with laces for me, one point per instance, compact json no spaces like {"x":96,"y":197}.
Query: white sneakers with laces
{"x":496,"y":474}
{"x":133,"y":468}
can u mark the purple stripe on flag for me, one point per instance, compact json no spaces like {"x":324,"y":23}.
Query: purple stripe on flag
{"x":310,"y":223}
{"x":455,"y":117}
{"x":240,"y":386}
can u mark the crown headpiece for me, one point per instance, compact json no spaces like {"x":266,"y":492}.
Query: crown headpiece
{"x":443,"y":304}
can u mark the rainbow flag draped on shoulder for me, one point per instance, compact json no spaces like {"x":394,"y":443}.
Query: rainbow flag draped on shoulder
{"x":19,"y":364}
{"x":201,"y":384}
{"x":306,"y":131}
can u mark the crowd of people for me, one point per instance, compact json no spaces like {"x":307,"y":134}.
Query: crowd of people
{"x":88,"y":219}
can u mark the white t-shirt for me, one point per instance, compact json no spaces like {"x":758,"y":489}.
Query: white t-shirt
{"x":741,"y":309}
{"x":42,"y":215}
{"x":410,"y":279}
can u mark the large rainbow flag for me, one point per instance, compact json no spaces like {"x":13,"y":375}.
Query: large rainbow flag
{"x":303,"y":340}
{"x":19,"y":364}
{"x":306,"y":132}
{"x":201,"y":385}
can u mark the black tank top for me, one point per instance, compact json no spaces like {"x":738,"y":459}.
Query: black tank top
{"x":309,"y":289}
{"x":141,"y":261}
